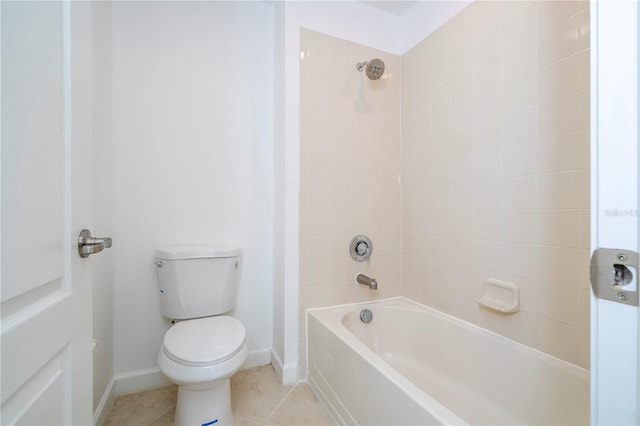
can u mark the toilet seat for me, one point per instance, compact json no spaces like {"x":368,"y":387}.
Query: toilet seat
{"x":204,"y":341}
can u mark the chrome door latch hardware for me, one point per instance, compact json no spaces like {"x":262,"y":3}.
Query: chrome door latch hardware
{"x":614,"y":275}
{"x":88,"y":245}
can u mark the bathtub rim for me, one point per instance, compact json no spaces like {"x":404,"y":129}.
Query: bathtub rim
{"x":331,"y":318}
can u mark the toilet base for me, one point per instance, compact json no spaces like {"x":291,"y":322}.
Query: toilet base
{"x":211,"y":406}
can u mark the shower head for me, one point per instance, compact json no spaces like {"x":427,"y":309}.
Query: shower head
{"x":374,"y":68}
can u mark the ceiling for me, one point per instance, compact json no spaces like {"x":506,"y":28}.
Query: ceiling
{"x":397,"y":8}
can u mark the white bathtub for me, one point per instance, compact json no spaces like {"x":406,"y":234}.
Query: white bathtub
{"x":415,"y":365}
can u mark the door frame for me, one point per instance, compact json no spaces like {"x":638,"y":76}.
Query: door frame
{"x":615,"y":329}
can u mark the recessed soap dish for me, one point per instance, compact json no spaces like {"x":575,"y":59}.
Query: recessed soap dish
{"x":501,"y":296}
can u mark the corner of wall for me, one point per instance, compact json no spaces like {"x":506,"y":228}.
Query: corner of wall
{"x":106,"y":403}
{"x":286,"y":373}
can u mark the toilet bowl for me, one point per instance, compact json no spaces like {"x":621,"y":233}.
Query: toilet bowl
{"x":200,"y":356}
{"x":204,"y":348}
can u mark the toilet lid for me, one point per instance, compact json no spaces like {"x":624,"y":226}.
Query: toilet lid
{"x":205,"y":340}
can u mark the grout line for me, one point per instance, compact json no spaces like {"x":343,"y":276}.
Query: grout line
{"x":281,"y":402}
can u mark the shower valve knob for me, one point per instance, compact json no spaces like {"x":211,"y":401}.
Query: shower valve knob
{"x":361,"y":248}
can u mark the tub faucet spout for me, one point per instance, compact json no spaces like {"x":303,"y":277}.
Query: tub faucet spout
{"x":365,"y":280}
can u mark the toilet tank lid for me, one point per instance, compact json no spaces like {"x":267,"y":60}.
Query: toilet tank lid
{"x":196,"y":251}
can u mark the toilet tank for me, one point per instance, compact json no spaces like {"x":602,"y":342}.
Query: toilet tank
{"x":197,"y":281}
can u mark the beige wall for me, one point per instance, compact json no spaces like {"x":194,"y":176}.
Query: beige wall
{"x":495,"y":123}
{"x":350,"y":149}
{"x":486,"y":177}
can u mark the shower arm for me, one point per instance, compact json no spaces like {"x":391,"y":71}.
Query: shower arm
{"x":360,"y":65}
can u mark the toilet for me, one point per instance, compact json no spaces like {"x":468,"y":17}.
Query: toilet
{"x":204,"y":348}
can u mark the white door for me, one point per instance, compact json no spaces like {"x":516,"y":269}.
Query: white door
{"x":46,"y":362}
{"x":615,"y":337}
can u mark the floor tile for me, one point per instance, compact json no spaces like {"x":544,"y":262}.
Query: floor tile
{"x":153,"y":407}
{"x":255,"y":393}
{"x":257,"y":399}
{"x":301,"y":407}
{"x":241,"y":421}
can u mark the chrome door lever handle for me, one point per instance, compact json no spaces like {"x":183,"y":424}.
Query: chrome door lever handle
{"x":88,"y":245}
{"x":106,"y":242}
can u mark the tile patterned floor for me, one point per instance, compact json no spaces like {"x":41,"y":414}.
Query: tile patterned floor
{"x":257,"y":399}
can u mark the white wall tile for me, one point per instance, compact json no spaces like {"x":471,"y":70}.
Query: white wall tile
{"x":519,"y":160}
{"x":488,"y":225}
{"x":584,"y":349}
{"x":559,"y":303}
{"x":558,"y":191}
{"x":519,"y":226}
{"x":487,"y":255}
{"x":318,"y":198}
{"x":558,"y":41}
{"x":584,"y":193}
{"x":351,"y":173}
{"x":559,"y":78}
{"x":488,"y":44}
{"x":495,"y":169}
{"x":520,"y":126}
{"x":462,"y":86}
{"x":558,"y":228}
{"x":519,"y":59}
{"x":558,"y":265}
{"x":519,"y":22}
{"x":553,"y":12}
{"x":519,"y":260}
{"x":461,"y":141}
{"x":519,"y":327}
{"x":519,"y":92}
{"x":488,"y":134}
{"x":488,"y":73}
{"x":584,"y":223}
{"x":568,"y":151}
{"x":462,"y":114}
{"x":439,"y":248}
{"x":462,"y":196}
{"x":462,"y":168}
{"x":487,"y":164}
{"x":488,"y":104}
{"x":488,"y":15}
{"x":557,"y":339}
{"x":585,"y":69}
{"x":462,"y":59}
{"x":440,"y":223}
{"x":584,"y":258}
{"x":462,"y":249}
{"x":488,"y":195}
{"x":462,"y":28}
{"x":462,"y":223}
{"x":464,"y":307}
{"x":439,"y":56}
{"x":566,"y":114}
{"x":583,"y":28}
{"x":519,"y":193}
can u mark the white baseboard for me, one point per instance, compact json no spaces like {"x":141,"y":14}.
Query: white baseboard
{"x":287,"y":374}
{"x":106,"y":403}
{"x":257,"y":358}
{"x":140,"y":380}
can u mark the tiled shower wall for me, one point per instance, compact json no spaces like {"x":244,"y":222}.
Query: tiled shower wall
{"x":350,"y":173}
{"x":495,"y":148}
{"x":487,"y":176}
